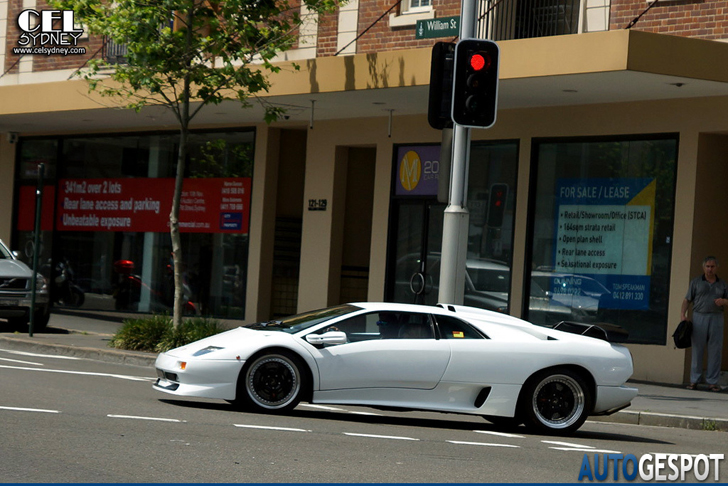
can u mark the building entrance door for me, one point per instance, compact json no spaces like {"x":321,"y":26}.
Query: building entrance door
{"x":413,"y":273}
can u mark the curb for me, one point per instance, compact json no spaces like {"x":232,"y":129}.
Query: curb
{"x":665,"y":420}
{"x":134,"y":358}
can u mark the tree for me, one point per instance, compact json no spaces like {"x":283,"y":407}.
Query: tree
{"x":186,"y":54}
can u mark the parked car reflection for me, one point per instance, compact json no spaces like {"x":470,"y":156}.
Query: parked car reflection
{"x":553,"y":296}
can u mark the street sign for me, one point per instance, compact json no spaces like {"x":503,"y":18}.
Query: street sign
{"x":442,"y":27}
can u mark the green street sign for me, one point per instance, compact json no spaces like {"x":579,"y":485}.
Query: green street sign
{"x":442,"y":27}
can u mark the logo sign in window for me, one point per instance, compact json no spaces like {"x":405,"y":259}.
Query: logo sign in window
{"x":418,"y":169}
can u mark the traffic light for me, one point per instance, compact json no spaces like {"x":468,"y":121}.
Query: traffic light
{"x":475,"y":84}
{"x":441,"y":66}
{"x":497,"y":204}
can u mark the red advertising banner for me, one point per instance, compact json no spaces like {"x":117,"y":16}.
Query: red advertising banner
{"x":213,"y":205}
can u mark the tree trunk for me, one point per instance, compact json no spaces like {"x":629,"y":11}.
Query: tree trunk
{"x":174,"y":229}
{"x":184,"y":123}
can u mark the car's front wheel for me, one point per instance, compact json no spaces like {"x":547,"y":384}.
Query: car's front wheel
{"x":272,"y":382}
{"x":556,"y":401}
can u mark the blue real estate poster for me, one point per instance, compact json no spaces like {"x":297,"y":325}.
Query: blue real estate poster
{"x":604,"y":231}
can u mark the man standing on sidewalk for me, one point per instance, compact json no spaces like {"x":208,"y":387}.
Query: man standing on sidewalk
{"x":708,"y":294}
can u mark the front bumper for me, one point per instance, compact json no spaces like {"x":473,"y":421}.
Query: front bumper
{"x":15,"y":305}
{"x":203,"y":378}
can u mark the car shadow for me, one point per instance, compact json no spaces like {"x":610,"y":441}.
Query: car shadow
{"x":404,"y":418}
{"x":6,"y":326}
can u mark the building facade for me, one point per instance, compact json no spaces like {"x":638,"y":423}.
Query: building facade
{"x":593,"y":197}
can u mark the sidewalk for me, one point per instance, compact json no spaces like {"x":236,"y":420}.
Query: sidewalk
{"x":656,"y":404}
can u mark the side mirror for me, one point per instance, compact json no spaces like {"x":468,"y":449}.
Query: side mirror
{"x":331,"y":337}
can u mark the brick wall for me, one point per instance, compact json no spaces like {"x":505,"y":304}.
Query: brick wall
{"x":686,"y":18}
{"x":381,"y":37}
{"x":327,"y":34}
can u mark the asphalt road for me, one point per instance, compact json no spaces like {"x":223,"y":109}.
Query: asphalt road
{"x":79,"y":420}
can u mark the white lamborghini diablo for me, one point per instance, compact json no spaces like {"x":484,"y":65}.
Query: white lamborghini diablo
{"x":439,"y":358}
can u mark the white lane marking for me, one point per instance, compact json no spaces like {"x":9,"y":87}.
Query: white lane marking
{"x":37,"y":355}
{"x":501,"y":434}
{"x":20,"y":362}
{"x":366,"y":413}
{"x":322,"y":407}
{"x":585,"y":449}
{"x":16,"y":409}
{"x":372,"y":436}
{"x":85,"y":373}
{"x":567,"y":444}
{"x":265,"y":427}
{"x":135,"y":417}
{"x":460,"y":442}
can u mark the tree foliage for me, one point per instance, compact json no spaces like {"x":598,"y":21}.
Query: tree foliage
{"x":190,"y":50}
{"x":186,"y":54}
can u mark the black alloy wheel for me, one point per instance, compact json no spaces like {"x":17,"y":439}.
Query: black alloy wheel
{"x":273,"y":382}
{"x":557,"y":401}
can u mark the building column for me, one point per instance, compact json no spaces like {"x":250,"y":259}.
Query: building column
{"x":262,"y":224}
{"x":324,"y":199}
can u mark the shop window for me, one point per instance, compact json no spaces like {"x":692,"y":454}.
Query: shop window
{"x":602,"y":226}
{"x":416,"y":229}
{"x":107,"y":218}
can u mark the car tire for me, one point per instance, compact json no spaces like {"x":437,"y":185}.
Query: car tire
{"x":556,"y":401}
{"x":272,"y":382}
{"x":41,"y":319}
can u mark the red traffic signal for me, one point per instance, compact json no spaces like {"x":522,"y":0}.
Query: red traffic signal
{"x":497,"y":205}
{"x":475,"y":83}
{"x":479,"y":61}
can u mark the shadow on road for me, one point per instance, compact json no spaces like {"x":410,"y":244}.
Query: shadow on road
{"x":406,"y":419}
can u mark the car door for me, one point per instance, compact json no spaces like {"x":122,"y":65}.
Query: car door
{"x":385,"y":350}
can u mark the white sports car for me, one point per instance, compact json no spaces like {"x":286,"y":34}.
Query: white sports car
{"x":441,"y":358}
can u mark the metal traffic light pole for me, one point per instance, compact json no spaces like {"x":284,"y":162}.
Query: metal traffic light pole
{"x":456,"y":218}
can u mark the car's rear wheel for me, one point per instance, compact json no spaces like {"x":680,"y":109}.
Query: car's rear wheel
{"x":556,"y":401}
{"x":272,"y":382}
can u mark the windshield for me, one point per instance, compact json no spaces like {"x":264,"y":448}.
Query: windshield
{"x":299,"y":322}
{"x":4,"y":252}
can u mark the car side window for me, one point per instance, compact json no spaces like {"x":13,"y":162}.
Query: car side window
{"x":358,"y":328}
{"x":415,"y":326}
{"x":388,"y":325}
{"x":452,"y":328}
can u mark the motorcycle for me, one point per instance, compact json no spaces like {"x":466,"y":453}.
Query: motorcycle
{"x":129,"y":287}
{"x":65,"y":291}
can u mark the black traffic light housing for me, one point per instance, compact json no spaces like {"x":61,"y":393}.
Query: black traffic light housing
{"x":497,"y":205}
{"x":475,"y":84}
{"x":441,"y":69}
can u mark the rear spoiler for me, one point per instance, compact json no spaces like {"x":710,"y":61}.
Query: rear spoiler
{"x":602,"y":330}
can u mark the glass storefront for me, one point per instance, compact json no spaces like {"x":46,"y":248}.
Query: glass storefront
{"x":417,"y":219}
{"x":105,"y":234}
{"x":602,"y":222}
